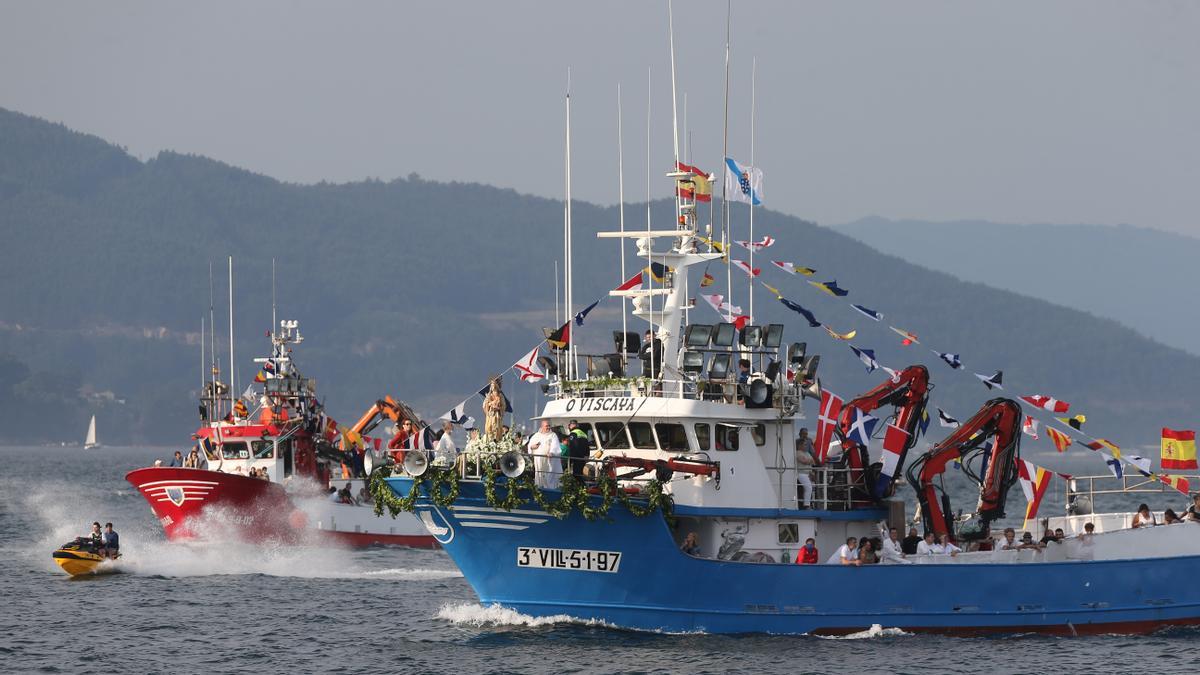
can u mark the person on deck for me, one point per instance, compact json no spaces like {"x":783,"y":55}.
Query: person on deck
{"x":804,"y":461}
{"x":1170,"y":517}
{"x":445,"y":453}
{"x":847,"y":553}
{"x":651,"y":355}
{"x":743,"y":371}
{"x":925,"y":547}
{"x":690,"y":545}
{"x":1193,"y":511}
{"x":547,"y":457}
{"x":400,"y":441}
{"x":192,"y":461}
{"x":177,"y":460}
{"x":1143,"y":517}
{"x":909,"y":544}
{"x":866,"y":553}
{"x":946,"y":547}
{"x":808,"y":553}
{"x":890,"y":548}
{"x":578,"y":448}
{"x":1008,"y":542}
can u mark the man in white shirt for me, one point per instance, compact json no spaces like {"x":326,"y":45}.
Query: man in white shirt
{"x":1009,"y":542}
{"x":847,"y":553}
{"x":547,"y":457}
{"x":889,"y":549}
{"x":925,"y":547}
{"x":444,"y":453}
{"x":804,"y":463}
{"x":945,"y":547}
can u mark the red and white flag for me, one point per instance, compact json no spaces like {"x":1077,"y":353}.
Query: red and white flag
{"x":827,"y":420}
{"x":634,"y":283}
{"x":745,"y":267}
{"x":756,"y":245}
{"x":528,"y":368}
{"x":894,"y":441}
{"x":1030,"y":427}
{"x":1047,"y":403}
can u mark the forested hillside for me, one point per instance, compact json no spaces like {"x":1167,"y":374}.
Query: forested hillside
{"x":421,"y":289}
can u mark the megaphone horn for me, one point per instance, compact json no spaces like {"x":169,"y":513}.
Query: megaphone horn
{"x":415,"y":463}
{"x":512,"y":464}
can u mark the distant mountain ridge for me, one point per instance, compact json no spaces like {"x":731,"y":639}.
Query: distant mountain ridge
{"x":1144,"y":278}
{"x":421,"y":289}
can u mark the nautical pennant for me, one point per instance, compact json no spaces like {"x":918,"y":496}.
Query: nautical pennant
{"x":812,"y":320}
{"x":894,"y":441}
{"x":1102,"y":443}
{"x":634,"y":283}
{"x":457,"y":414}
{"x":1047,"y":403}
{"x":658,"y":271}
{"x":1178,"y":450}
{"x":745,"y":267}
{"x":992,"y":380}
{"x":1140,"y":463}
{"x":743,"y":183}
{"x":1114,"y":465}
{"x":1030,"y":427}
{"x":774,"y":291}
{"x":909,"y":338}
{"x":1075,"y":422}
{"x":1178,"y":482}
{"x":765,"y":242}
{"x":867,"y":356}
{"x":924,"y":420}
{"x":527,"y":367}
{"x":951,"y":360}
{"x":793,"y":269}
{"x":862,"y":427}
{"x":707,"y":281}
{"x":946,"y":420}
{"x":560,"y":337}
{"x":1061,"y":440}
{"x":840,"y":336}
{"x":831,"y":288}
{"x":1034,"y":481}
{"x":869,"y":313}
{"x":579,"y":316}
{"x":831,"y":410}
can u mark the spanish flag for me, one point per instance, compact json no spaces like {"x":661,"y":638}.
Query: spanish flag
{"x":698,"y":187}
{"x":1178,"y":449}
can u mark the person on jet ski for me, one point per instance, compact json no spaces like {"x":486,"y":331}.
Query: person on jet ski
{"x":112,"y":541}
{"x":96,"y":537}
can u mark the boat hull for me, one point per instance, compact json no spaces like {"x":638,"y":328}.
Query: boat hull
{"x":657,"y":587}
{"x":82,"y":563}
{"x":200,"y":504}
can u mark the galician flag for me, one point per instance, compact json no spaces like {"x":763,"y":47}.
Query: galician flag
{"x":743,"y":183}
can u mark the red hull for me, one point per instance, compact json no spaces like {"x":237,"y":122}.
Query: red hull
{"x":247,"y":509}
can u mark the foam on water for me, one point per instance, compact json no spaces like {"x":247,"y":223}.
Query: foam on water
{"x":480,"y":616}
{"x":875,"y":631}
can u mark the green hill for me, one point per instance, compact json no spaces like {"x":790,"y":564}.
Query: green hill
{"x":421,"y":289}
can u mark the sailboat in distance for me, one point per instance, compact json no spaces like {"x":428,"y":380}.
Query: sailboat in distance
{"x":90,"y":442}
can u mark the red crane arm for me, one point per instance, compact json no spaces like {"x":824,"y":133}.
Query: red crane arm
{"x":999,"y":421}
{"x":908,"y":394}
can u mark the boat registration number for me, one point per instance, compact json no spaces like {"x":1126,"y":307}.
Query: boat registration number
{"x":569,"y":559}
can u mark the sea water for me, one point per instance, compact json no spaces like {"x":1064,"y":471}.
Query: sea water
{"x":231,"y":607}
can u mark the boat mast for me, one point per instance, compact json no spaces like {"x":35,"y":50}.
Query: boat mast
{"x":272,"y":296}
{"x":232,"y":382}
{"x":649,"y":258}
{"x":570,"y":267}
{"x":621,"y":216}
{"x":682,"y":279}
{"x":724,"y":168}
{"x":753,"y":79}
{"x":212,"y":337}
{"x":202,"y":357}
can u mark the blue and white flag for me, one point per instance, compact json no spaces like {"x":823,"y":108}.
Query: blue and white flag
{"x":951,"y":360}
{"x":869,"y":313}
{"x":579,"y":316}
{"x":991,"y":381}
{"x":456,"y":415}
{"x":861,"y":428}
{"x":947,"y":421}
{"x":867,"y":356}
{"x":812,"y":320}
{"x":743,"y":183}
{"x":1114,"y":465}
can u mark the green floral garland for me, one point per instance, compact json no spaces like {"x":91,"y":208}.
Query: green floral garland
{"x":442,"y":488}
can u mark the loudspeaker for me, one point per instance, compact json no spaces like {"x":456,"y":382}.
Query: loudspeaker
{"x":512,"y":464}
{"x":758,"y":393}
{"x":415,"y":463}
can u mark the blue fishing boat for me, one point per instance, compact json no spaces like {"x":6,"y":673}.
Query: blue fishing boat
{"x":687,"y":508}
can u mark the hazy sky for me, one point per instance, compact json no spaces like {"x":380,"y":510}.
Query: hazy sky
{"x":1014,"y":111}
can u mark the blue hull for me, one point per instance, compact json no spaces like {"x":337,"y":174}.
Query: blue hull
{"x":659,"y":588}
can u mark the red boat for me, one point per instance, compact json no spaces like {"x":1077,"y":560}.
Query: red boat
{"x":271,"y":466}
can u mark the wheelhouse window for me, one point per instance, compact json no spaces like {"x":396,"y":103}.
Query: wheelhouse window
{"x":643,"y":437}
{"x":234,"y":450}
{"x":789,"y":533}
{"x":703,"y":437}
{"x":611,"y":436}
{"x":671,"y":437}
{"x":727,"y":436}
{"x":263,"y":449}
{"x":759,"y":432}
